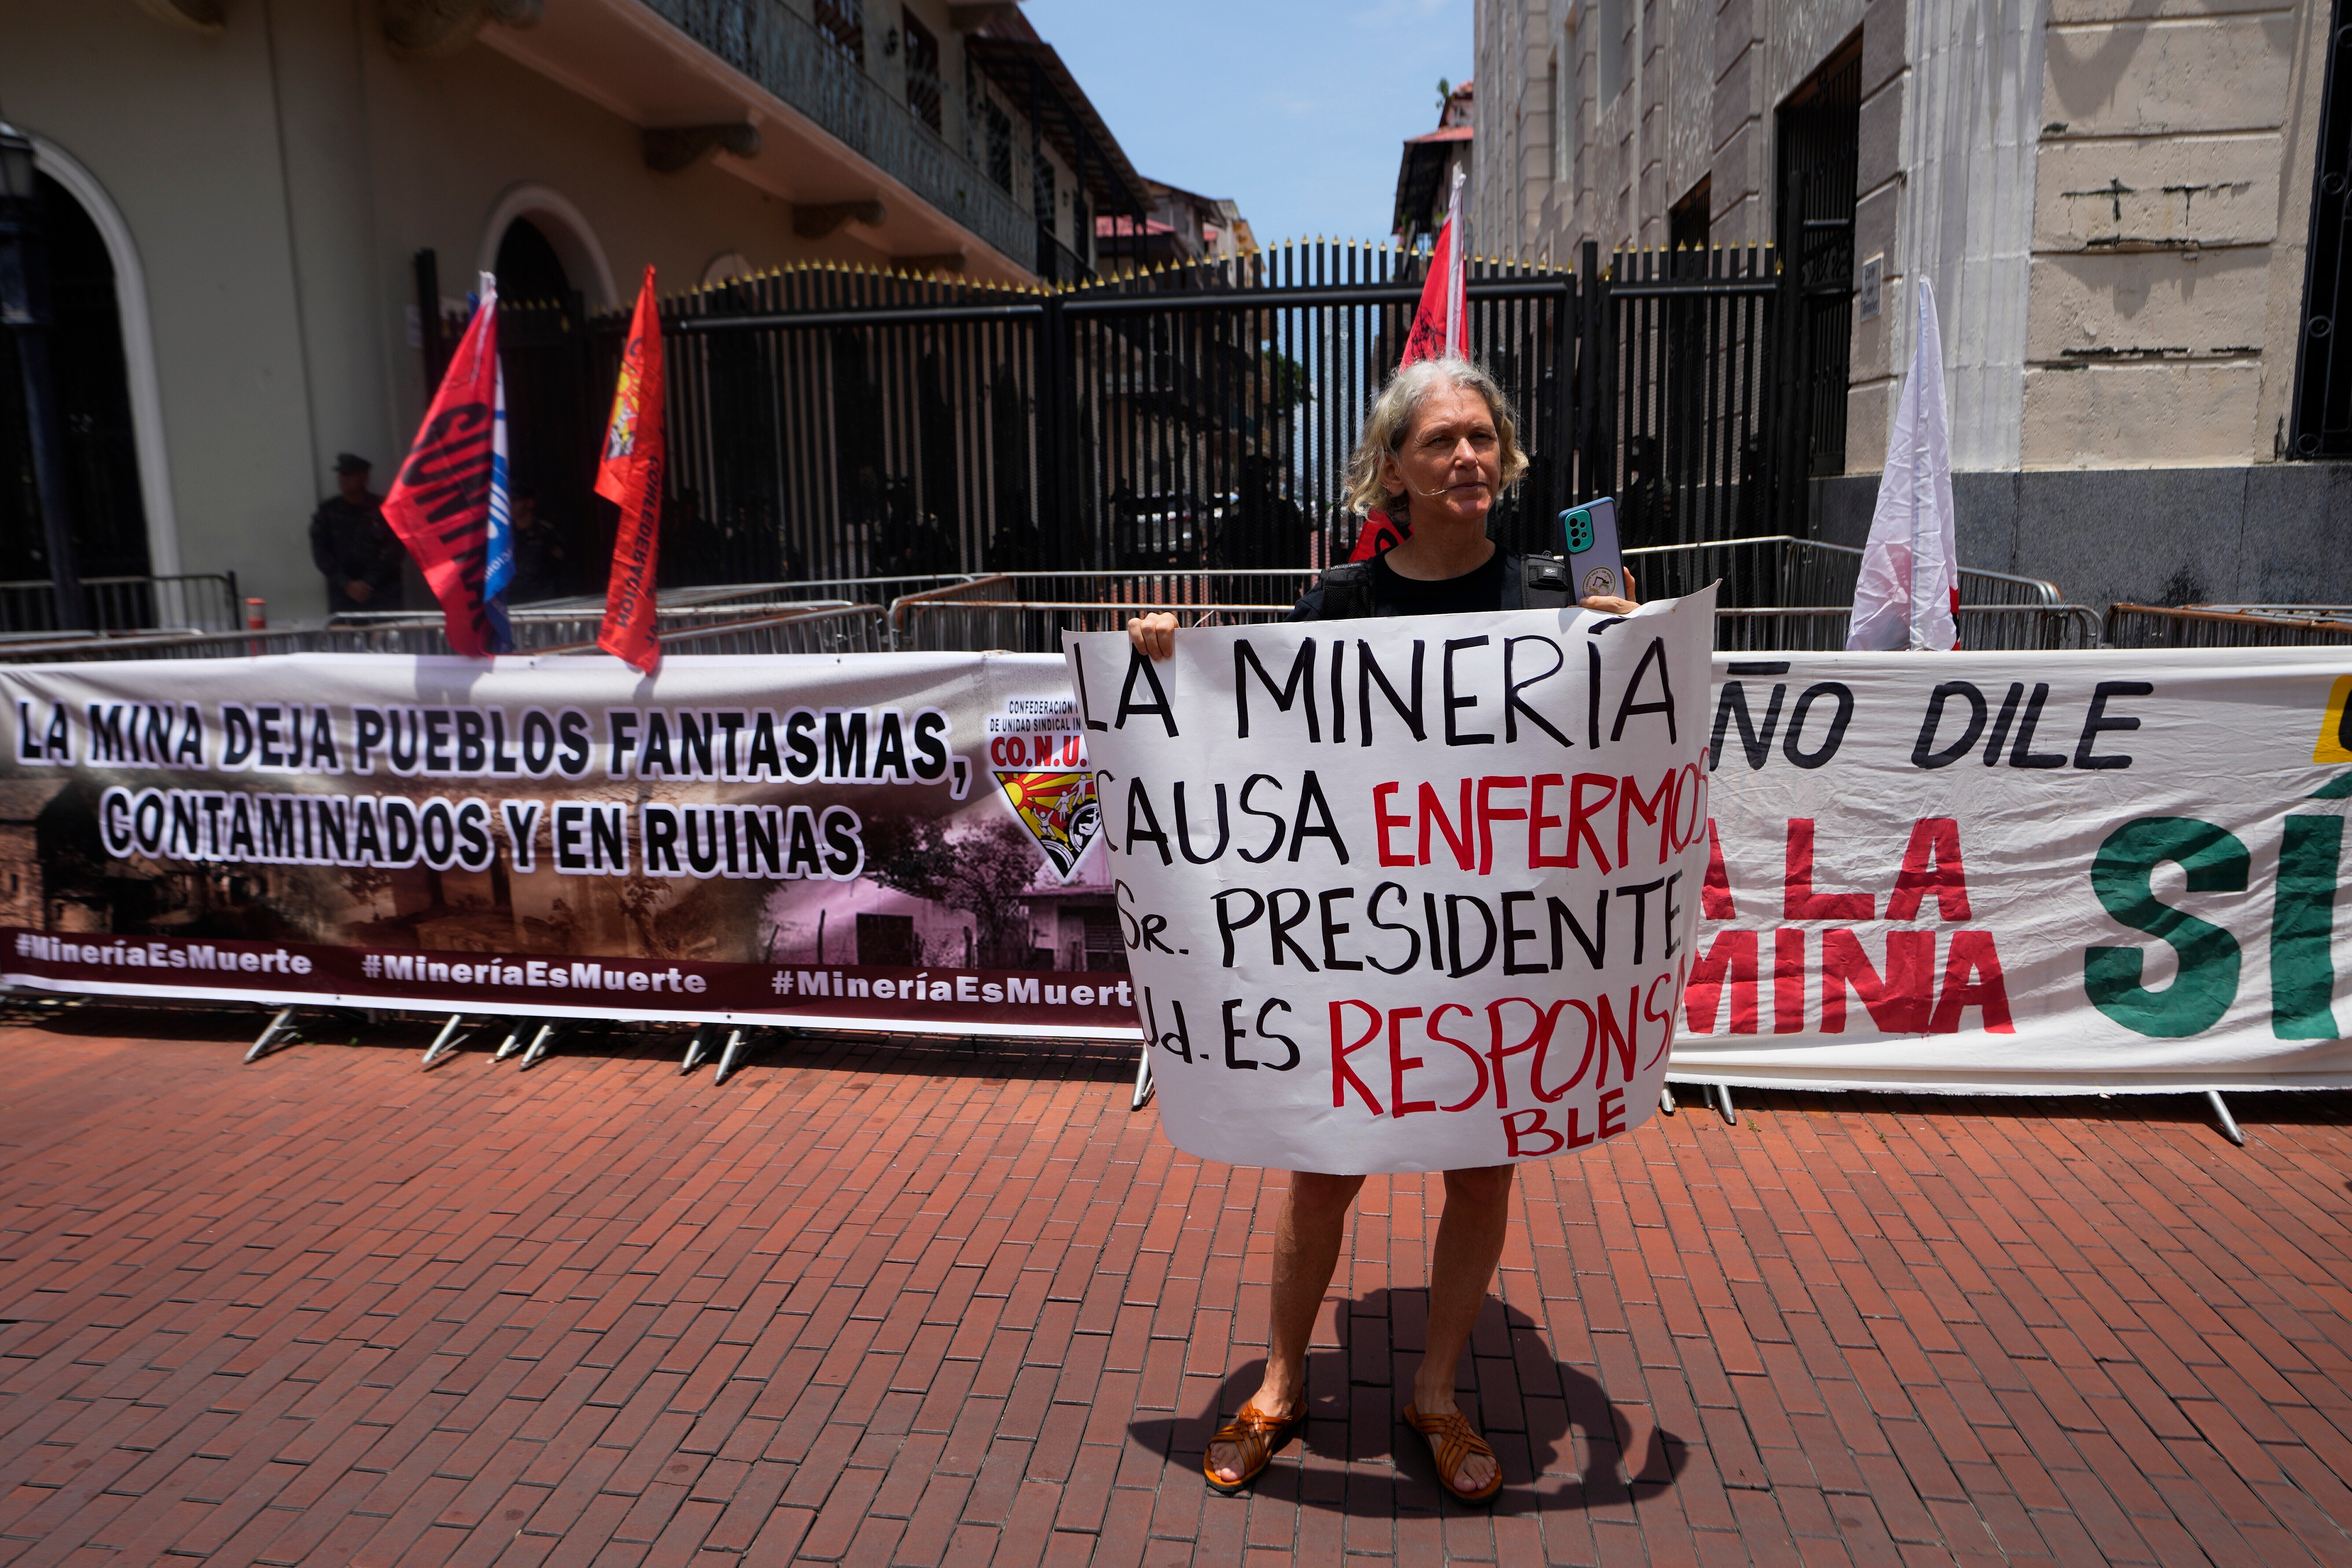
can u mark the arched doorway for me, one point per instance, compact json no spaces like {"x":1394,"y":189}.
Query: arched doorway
{"x":564,"y":227}
{"x":550,"y":417}
{"x":90,"y":382}
{"x":528,"y":267}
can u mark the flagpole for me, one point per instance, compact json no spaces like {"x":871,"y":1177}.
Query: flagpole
{"x":1919,"y":456}
{"x":499,"y":569}
{"x":1454,"y":271}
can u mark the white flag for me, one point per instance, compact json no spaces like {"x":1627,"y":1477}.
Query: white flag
{"x":1909,"y":585}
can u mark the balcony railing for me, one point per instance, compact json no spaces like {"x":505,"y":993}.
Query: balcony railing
{"x":785,"y":53}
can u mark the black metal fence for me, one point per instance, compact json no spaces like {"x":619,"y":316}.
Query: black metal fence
{"x":2321,"y":414}
{"x":827,"y":422}
{"x":1684,"y":411}
{"x":1818,"y":148}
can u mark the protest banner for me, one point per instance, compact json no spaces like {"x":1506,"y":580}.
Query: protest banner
{"x":2032,"y":872}
{"x":2026,"y":872}
{"x":1406,"y":894}
{"x":882,"y":841}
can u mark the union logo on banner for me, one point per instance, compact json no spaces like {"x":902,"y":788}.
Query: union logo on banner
{"x":621,"y":439}
{"x":1059,"y":808}
{"x":627,"y":401}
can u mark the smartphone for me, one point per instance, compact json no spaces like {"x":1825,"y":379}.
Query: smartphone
{"x":1588,"y":540}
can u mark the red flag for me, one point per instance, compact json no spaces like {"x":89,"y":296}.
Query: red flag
{"x":440,"y":505}
{"x":629,"y":475}
{"x":1441,"y":329}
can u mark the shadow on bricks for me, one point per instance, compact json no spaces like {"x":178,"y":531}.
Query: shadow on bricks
{"x":1562,"y":1441}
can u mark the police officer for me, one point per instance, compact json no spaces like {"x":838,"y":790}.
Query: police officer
{"x":354,"y":548}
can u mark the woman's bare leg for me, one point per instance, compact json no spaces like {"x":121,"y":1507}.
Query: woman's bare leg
{"x":1469,"y":1246}
{"x":1305,"y":1251}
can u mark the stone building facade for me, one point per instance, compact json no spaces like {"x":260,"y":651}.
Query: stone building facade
{"x":2113,"y":199}
{"x":257,"y":182}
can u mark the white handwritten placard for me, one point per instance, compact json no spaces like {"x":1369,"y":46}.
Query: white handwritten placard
{"x":1406,"y":894}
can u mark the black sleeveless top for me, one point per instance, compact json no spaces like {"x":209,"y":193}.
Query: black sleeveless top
{"x":1509,"y":581}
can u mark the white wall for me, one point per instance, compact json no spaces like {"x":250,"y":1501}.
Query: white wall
{"x":276,"y":177}
{"x":2111,"y":196}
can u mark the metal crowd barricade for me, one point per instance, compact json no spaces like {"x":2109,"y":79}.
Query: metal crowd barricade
{"x":1983,"y":628}
{"x":1780,"y":570}
{"x":1169,"y":588}
{"x":389,"y":631}
{"x":2250,"y":625}
{"x":846,"y":590}
{"x":178,"y":645}
{"x":196,"y":601}
{"x":823,"y":626}
{"x":1027,"y":612}
{"x":1036,"y":626}
{"x":578,"y":628}
{"x":830,"y":628}
{"x":558,"y":623}
{"x":2290,"y":612}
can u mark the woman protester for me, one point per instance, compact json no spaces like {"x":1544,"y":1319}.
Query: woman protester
{"x":1439,"y":445}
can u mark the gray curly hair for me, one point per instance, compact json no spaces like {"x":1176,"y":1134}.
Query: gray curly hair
{"x":1391,"y":420}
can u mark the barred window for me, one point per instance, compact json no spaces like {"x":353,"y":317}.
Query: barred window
{"x":922,"y":71}
{"x":844,"y":24}
{"x":1000,"y":146}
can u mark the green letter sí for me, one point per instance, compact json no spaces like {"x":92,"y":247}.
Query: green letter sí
{"x":2216,"y":862}
{"x":2303,"y":977}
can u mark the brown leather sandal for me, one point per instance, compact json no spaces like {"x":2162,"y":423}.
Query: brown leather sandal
{"x":1452,"y":1439}
{"x":1258,"y":1437}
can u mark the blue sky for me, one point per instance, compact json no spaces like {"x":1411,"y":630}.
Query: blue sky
{"x":1295,"y":109}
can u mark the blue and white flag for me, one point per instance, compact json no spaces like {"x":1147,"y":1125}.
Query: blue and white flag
{"x":498,"y":574}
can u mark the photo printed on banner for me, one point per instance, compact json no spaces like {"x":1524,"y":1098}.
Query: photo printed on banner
{"x":898,"y":841}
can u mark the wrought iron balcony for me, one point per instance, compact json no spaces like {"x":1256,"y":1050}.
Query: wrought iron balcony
{"x":787,"y":54}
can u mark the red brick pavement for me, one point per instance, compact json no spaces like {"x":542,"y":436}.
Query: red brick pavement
{"x":902,"y":1302}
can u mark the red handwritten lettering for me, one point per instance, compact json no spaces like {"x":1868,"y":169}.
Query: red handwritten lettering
{"x":1401,"y":1064}
{"x":1799,"y":901}
{"x":1476,"y":1060}
{"x":1490,"y":814}
{"x":1972,"y":978}
{"x":1535,"y":1120}
{"x":1730,"y":963}
{"x":1538,"y":819}
{"x":1935,"y":839}
{"x":1343,"y":1075}
{"x":1383,"y":820}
